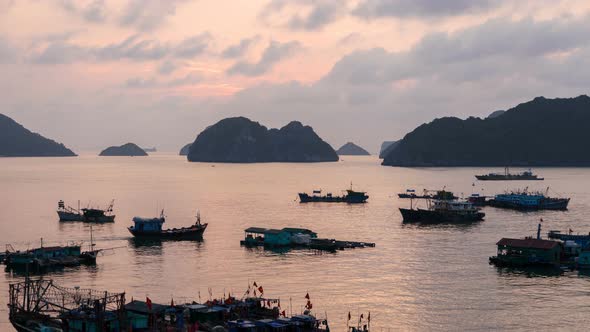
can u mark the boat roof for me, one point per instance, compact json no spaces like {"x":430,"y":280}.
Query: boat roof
{"x":256,"y":230}
{"x":262,"y":230}
{"x":528,"y":243}
{"x":141,"y":307}
{"x":147,"y":220}
{"x":297,"y":230}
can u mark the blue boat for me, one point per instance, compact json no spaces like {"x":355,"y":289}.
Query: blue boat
{"x":523,"y":200}
{"x":151,"y":228}
{"x":582,"y":239}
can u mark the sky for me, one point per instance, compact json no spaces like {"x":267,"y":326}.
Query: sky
{"x":95,"y":73}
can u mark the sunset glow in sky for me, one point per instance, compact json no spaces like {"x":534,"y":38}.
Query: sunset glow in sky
{"x":156,"y":72}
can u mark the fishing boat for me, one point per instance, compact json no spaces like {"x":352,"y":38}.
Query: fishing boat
{"x":524,"y":200}
{"x":68,"y":213}
{"x":350,"y":196}
{"x":507,"y":176}
{"x":43,"y":258}
{"x":95,"y":215}
{"x":152,"y":228}
{"x":428,"y":194}
{"x":582,"y":239}
{"x":443,"y":211}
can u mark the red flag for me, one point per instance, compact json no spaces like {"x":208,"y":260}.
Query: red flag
{"x":260,"y":289}
{"x":284,"y":313}
{"x":307,"y":296}
{"x":148,"y":302}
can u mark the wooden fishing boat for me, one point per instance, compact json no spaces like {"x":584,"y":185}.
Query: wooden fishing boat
{"x":151,"y":228}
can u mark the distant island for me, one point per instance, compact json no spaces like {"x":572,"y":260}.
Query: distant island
{"x":128,"y":149}
{"x":351,"y":149}
{"x":240,"y":140}
{"x":541,"y":132}
{"x":17,"y":141}
{"x":184,"y":150}
{"x":153,"y":149}
{"x":386,"y":147}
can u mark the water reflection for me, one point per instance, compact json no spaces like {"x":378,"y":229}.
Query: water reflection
{"x":530,"y":272}
{"x":467,"y":225}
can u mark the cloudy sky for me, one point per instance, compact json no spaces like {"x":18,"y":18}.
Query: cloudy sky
{"x":93,"y":73}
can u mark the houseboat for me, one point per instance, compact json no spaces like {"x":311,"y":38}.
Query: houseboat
{"x":350,"y":196}
{"x":95,"y":215}
{"x":528,"y":252}
{"x":523,"y":200}
{"x":507,"y":176}
{"x":290,"y":237}
{"x":443,"y":211}
{"x":151,"y":228}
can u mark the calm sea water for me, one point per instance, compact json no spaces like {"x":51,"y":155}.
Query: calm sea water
{"x":416,"y":278}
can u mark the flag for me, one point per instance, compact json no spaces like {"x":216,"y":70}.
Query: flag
{"x":148,"y":302}
{"x":307,"y":296}
{"x":284,"y":313}
{"x":172,"y":302}
{"x":362,"y":316}
{"x":254,"y":284}
{"x":261,"y":290}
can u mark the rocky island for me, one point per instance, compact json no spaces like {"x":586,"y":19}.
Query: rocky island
{"x":541,"y":132}
{"x":128,"y":149}
{"x":185,"y":149}
{"x":351,"y":149}
{"x":386,"y":147}
{"x":18,"y":141}
{"x":240,"y":140}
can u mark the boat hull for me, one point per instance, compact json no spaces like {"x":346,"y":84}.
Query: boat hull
{"x":69,"y":216}
{"x":521,"y":261}
{"x":508,"y":178}
{"x":305,"y":198}
{"x":188,"y":233}
{"x":544,"y":204}
{"x":428,"y":216}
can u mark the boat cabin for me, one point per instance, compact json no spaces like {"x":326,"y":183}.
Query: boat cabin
{"x":530,"y":251}
{"x":275,"y":237}
{"x":148,"y":224}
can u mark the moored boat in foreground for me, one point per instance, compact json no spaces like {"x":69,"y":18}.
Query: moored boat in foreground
{"x":528,"y":252}
{"x":442,"y":211}
{"x":152,"y":228}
